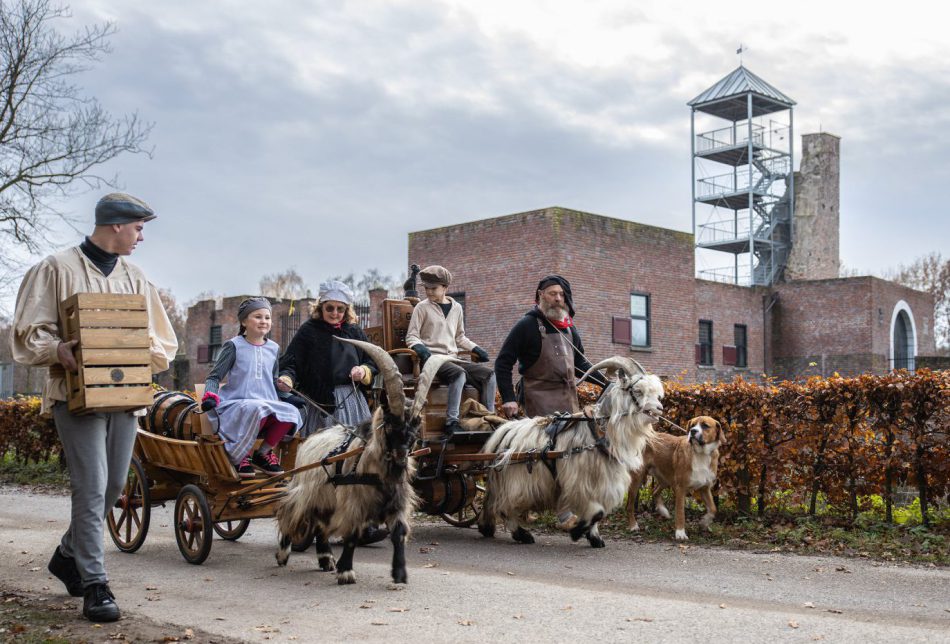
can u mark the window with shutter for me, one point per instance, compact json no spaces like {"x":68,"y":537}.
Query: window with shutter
{"x":640,"y":319}
{"x":621,"y":330}
{"x":728,"y":355}
{"x":705,"y":352}
{"x":741,"y":342}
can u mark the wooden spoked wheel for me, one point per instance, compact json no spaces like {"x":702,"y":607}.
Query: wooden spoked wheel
{"x":467,"y":515}
{"x":232,"y":530}
{"x":128,"y":519}
{"x":193,"y":524}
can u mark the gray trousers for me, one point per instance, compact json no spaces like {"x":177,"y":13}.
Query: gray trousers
{"x":98,"y":449}
{"x":454,"y":376}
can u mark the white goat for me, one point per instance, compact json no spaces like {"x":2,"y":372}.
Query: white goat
{"x":591,"y":482}
{"x":380,"y":489}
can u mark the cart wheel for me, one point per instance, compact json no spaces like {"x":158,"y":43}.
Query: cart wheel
{"x":128,"y":519}
{"x":467,"y":515}
{"x":232,"y":530}
{"x":193,"y":524}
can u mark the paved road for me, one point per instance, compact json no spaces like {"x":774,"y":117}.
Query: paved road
{"x":467,"y":589}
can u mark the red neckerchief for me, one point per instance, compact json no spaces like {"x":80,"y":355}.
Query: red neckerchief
{"x":337,"y":326}
{"x":566,"y":323}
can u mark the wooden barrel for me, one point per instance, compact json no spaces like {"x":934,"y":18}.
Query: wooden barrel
{"x":172,"y":415}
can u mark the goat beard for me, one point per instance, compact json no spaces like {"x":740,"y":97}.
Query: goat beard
{"x":553,"y":311}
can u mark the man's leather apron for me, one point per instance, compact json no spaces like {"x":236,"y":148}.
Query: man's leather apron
{"x":548,"y":384}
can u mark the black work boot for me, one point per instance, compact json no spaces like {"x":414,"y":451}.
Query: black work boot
{"x":64,"y":569}
{"x":451,"y":426}
{"x":99,"y":604}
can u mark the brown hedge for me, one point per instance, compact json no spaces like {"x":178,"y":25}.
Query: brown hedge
{"x":840,"y":439}
{"x":24,"y":433}
{"x":843,"y":439}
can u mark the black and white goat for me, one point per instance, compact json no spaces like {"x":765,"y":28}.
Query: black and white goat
{"x":372,"y":488}
{"x":592,"y":480}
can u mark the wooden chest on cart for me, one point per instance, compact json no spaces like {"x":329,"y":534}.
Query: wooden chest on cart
{"x":113,"y":352}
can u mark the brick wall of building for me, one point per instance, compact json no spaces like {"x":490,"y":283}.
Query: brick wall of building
{"x":842,"y":325}
{"x":498,"y":262}
{"x":885,"y":296}
{"x":727,"y":305}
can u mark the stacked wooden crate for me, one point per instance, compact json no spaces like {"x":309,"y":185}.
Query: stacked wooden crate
{"x":113,"y":352}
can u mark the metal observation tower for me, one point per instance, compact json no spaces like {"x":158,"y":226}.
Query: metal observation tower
{"x":742,"y":181}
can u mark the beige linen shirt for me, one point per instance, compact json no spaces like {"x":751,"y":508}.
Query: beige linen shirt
{"x":36,"y":323}
{"x":443,"y":334}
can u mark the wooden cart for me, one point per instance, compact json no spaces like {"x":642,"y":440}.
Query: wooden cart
{"x":197,"y":475}
{"x":450,"y":479}
{"x":179,"y":457}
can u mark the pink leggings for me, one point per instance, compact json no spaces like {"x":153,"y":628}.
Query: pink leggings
{"x":272,"y":430}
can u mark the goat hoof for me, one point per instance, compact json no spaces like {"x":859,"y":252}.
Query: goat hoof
{"x":327,"y":564}
{"x":522,"y":536}
{"x":579,"y":531}
{"x":346,"y":577}
{"x":488,"y":531}
{"x":400,"y":577}
{"x":281,"y":561}
{"x":596,"y":542}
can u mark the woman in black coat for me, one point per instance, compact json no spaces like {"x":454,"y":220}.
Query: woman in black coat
{"x":327,"y":371}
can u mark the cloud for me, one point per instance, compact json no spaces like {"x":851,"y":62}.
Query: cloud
{"x":318,"y":134}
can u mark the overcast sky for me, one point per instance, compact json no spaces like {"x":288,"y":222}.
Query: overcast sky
{"x":316,"y":135}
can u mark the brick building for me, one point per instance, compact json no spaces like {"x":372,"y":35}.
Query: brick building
{"x":636,"y":294}
{"x":624,"y":273}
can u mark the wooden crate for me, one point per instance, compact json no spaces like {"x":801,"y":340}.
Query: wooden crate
{"x":113,"y":355}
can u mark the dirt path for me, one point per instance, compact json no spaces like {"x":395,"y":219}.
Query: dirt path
{"x":465,"y":588}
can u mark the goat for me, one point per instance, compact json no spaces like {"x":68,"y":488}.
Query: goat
{"x":380,"y":489}
{"x":591,"y":482}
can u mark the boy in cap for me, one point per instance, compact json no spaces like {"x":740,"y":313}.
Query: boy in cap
{"x":98,"y":447}
{"x":437,"y":326}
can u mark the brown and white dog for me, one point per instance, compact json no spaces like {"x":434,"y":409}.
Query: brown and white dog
{"x":685,"y":463}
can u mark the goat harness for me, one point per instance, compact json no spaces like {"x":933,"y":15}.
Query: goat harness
{"x":560,"y":423}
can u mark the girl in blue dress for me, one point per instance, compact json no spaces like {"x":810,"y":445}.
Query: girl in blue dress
{"x":247,"y":405}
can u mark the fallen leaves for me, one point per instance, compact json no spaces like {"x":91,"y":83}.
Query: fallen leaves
{"x":792,"y":623}
{"x":465,"y":622}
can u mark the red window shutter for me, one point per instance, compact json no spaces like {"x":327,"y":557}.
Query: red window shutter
{"x":203,"y":354}
{"x":699,"y":353}
{"x":729,"y":355}
{"x":621,"y":330}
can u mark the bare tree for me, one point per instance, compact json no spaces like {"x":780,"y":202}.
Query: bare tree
{"x":288,"y":285}
{"x":371,"y":279}
{"x":52,"y":137}
{"x":930,"y":273}
{"x":176,"y":316}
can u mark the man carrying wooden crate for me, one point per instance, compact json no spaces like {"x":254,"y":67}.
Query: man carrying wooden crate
{"x":97,"y":446}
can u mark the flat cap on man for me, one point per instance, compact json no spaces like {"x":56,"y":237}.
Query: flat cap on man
{"x":120,"y":208}
{"x":435,"y":275}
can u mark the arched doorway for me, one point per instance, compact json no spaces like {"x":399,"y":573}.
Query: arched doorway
{"x":903,"y":338}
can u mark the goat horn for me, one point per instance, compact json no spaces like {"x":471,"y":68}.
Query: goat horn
{"x":615,"y":363}
{"x":639,"y":366}
{"x":432,"y":365}
{"x":392,"y":381}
